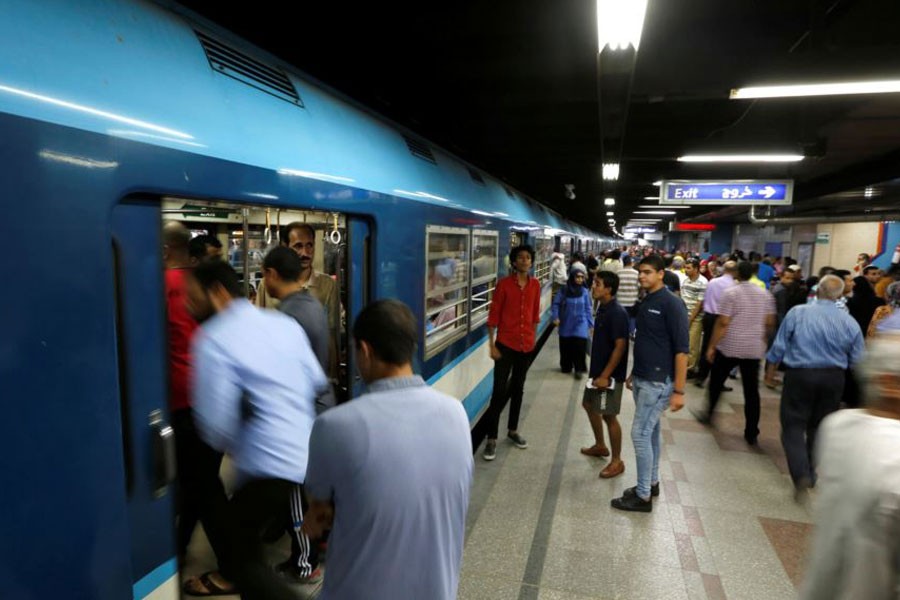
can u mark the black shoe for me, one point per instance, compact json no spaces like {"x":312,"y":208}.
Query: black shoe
{"x":725,"y":388}
{"x":632,"y":503}
{"x":518,"y":440}
{"x":702,"y":418}
{"x":632,"y":491}
{"x":751,"y":439}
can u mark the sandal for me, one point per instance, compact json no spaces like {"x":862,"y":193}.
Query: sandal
{"x":209,"y":586}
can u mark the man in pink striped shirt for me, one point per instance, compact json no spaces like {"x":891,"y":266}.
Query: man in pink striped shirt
{"x":746,"y":319}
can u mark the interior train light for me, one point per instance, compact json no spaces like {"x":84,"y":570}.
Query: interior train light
{"x":816,"y":89}
{"x":609,"y":202}
{"x":705,"y":158}
{"x":610,"y":171}
{"x":653,"y":212}
{"x":619,"y":24}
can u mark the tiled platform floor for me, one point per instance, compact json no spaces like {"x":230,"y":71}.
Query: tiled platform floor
{"x":725,"y":525}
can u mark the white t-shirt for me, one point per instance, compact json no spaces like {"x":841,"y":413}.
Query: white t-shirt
{"x":856,"y":546}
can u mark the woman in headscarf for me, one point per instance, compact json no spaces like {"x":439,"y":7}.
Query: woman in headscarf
{"x":704,"y":269}
{"x":572,"y":313}
{"x":887,"y":317}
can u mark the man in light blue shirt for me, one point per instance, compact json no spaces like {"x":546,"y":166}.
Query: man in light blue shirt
{"x":389,"y":473}
{"x":256,"y":380}
{"x":817,"y":342}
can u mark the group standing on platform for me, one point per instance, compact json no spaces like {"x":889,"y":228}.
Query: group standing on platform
{"x":257,"y":385}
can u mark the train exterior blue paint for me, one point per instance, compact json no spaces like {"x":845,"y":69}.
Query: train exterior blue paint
{"x":106,"y":107}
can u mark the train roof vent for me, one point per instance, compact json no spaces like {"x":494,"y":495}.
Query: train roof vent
{"x":475,"y":175}
{"x":235,"y":64}
{"x":420,"y":149}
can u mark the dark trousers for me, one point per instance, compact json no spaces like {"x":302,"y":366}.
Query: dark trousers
{"x":260,"y":507}
{"x":851,"y":396}
{"x":200,"y":495}
{"x":809,"y":395}
{"x":709,"y":320}
{"x":509,"y":379}
{"x":721,"y":367}
{"x":573,"y":354}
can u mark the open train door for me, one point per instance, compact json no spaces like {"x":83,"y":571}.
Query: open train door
{"x":359,"y":289}
{"x":147,"y":439}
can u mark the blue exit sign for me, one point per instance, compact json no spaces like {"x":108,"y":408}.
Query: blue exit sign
{"x":738,"y":191}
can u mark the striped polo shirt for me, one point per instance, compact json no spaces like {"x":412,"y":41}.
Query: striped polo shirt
{"x":748,"y":306}
{"x":628,"y":287}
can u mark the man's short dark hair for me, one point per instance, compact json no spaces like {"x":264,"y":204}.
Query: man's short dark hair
{"x":842,"y":273}
{"x":514,"y":253}
{"x":745,"y":270}
{"x":610,"y":280}
{"x":615,"y":254}
{"x":870,"y":268}
{"x":285,"y":262}
{"x":389,"y":327}
{"x":197,"y":246}
{"x":285,"y":233}
{"x":210,"y":273}
{"x":655,"y":261}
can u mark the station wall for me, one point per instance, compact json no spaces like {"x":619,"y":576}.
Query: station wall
{"x":838,"y":244}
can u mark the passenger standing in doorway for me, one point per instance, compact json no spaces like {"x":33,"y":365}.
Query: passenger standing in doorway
{"x":514,"y":316}
{"x":204,"y":248}
{"x":301,"y":238}
{"x":572,"y":314}
{"x":609,"y":367}
{"x":386,"y":478}
{"x":558,"y":271}
{"x":281,"y":275}
{"x":658,"y":376}
{"x":201,"y":495}
{"x":740,"y":336}
{"x":255,"y":386}
{"x":817,"y":342}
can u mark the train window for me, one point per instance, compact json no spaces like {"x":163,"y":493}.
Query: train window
{"x":485,"y":247}
{"x":543,"y":254}
{"x":446,"y":286}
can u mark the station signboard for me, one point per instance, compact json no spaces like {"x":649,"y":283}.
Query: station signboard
{"x":724,"y":192}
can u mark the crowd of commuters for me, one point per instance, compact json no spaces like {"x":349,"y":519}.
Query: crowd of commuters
{"x":257,"y":385}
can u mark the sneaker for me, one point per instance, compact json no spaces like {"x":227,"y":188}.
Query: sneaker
{"x":632,"y":503}
{"x":490,"y":450}
{"x":632,"y":491}
{"x":287,"y":571}
{"x":518,"y":440}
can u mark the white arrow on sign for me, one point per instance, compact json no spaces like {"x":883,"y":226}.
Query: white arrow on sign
{"x":767,"y":191}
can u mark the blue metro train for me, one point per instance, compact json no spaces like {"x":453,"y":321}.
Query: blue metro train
{"x":113,"y":110}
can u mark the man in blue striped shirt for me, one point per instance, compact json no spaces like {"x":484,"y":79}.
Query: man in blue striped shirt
{"x":256,"y":380}
{"x":817,"y":343}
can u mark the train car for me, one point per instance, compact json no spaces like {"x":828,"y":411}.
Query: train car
{"x":118,"y":114}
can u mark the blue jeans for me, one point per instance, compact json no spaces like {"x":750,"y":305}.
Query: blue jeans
{"x":651,"y":398}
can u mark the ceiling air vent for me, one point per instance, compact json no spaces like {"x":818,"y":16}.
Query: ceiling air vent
{"x":475,"y":175}
{"x":235,"y":64}
{"x":420,"y":149}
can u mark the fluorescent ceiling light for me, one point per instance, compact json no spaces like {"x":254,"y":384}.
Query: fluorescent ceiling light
{"x":651,"y":197}
{"x":610,"y":214}
{"x":741,"y":158}
{"x":666,"y":206}
{"x":816,"y":89}
{"x":653,"y":212}
{"x":619,"y":23}
{"x":610,"y":202}
{"x":610,"y":171}
{"x":657,"y":183}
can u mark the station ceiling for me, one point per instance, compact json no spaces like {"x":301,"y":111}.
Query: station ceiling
{"x":517,"y":87}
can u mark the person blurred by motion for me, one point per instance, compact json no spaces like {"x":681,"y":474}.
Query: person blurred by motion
{"x":514,"y":315}
{"x":856,"y":542}
{"x":558,"y":271}
{"x":204,"y":248}
{"x":609,"y":367}
{"x":740,"y":336}
{"x":885,"y":318}
{"x":657,"y":378}
{"x":255,"y":384}
{"x":817,"y":343}
{"x":385,"y":479}
{"x":572,"y":314}
{"x":714,"y":291}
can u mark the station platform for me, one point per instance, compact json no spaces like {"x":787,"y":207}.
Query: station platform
{"x":725,"y":525}
{"x":540,"y":525}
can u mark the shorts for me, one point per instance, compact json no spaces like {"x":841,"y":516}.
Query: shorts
{"x":606,"y":402}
